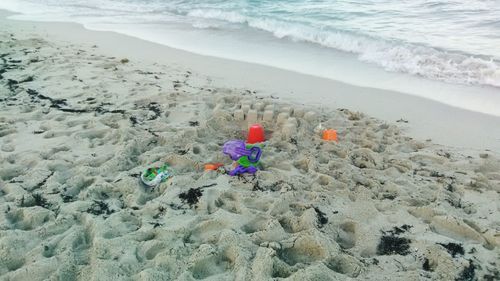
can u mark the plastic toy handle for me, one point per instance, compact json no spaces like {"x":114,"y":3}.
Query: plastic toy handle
{"x":256,"y":152}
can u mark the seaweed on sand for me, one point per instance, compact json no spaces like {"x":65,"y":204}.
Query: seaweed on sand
{"x":468,"y":273}
{"x":12,"y":85}
{"x":155,"y":108}
{"x":192,"y":196}
{"x":55,"y":103}
{"x":44,"y":181}
{"x":426,"y":266}
{"x":391,"y":243}
{"x":453,"y":248}
{"x":41,"y":201}
{"x":98,"y":208}
{"x":62,"y":105}
{"x":322,"y":219}
{"x":67,"y":198}
{"x":401,"y":229}
{"x":133,"y":120}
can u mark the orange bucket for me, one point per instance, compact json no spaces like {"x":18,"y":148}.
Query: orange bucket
{"x":330,"y":135}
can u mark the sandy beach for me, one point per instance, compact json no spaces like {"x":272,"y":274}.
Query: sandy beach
{"x":80,"y":119}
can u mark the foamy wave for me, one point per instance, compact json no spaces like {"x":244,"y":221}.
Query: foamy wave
{"x":205,"y":25}
{"x":228,"y":16}
{"x":409,"y":58}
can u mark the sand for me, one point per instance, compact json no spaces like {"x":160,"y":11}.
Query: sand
{"x":77,"y":127}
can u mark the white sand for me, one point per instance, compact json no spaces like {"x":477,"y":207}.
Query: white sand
{"x":80,"y":128}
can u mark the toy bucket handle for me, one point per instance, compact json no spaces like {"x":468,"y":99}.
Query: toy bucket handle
{"x":255,"y":153}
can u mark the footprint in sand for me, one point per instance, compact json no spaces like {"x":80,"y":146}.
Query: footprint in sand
{"x":345,"y":264}
{"x":8,"y":147}
{"x":306,"y":249}
{"x":229,"y":202}
{"x":209,"y":261}
{"x":259,"y":223}
{"x":206,"y":231}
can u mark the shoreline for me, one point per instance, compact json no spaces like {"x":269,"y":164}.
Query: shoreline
{"x":261,"y":47}
{"x":427,"y":119}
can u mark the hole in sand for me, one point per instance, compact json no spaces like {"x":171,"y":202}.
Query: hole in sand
{"x":305,"y":250}
{"x":286,"y":223}
{"x":255,"y":225}
{"x":281,"y":271}
{"x":323,"y":180}
{"x":153,"y":251}
{"x":196,"y":150}
{"x":344,"y":265}
{"x":48,"y":251}
{"x":211,"y":266}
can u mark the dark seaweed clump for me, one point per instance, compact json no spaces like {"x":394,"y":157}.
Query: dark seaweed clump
{"x":492,"y":275}
{"x":453,"y":248}
{"x":401,"y":229}
{"x":468,"y":274}
{"x":155,"y":108}
{"x":322,"y":219}
{"x":426,"y":266}
{"x":192,"y":196}
{"x":41,"y":201}
{"x":256,"y":186}
{"x":391,"y":243}
{"x":133,"y":120}
{"x":67,"y":198}
{"x":99,"y":208}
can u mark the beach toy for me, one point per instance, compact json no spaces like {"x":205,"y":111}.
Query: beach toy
{"x":241,"y":170}
{"x":237,"y":149}
{"x":255,"y":134}
{"x":213,"y":166}
{"x":155,"y":175}
{"x":246,"y":156}
{"x":330,"y":135}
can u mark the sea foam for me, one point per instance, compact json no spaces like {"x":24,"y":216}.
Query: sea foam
{"x":396,"y":56}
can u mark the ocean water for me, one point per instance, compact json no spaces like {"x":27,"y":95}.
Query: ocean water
{"x":448,"y":48}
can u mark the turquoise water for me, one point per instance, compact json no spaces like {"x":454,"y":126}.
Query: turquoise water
{"x":452,"y":41}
